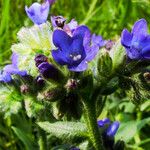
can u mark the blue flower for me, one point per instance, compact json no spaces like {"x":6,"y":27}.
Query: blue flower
{"x":75,"y":51}
{"x":111,"y":129}
{"x":101,"y":123}
{"x":5,"y":77}
{"x":13,"y":68}
{"x":137,"y":43}
{"x":38,"y":13}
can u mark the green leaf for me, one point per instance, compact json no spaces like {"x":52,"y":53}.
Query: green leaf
{"x":64,"y":130}
{"x":128,"y":129}
{"x":27,"y":141}
{"x":62,"y":147}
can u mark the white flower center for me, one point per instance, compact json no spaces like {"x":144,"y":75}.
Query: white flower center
{"x":75,"y":57}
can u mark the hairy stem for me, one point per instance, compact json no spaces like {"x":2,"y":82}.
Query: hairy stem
{"x":91,"y":121}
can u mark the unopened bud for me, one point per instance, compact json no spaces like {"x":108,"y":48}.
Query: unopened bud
{"x":50,"y":72}
{"x":39,"y":80}
{"x":109,"y":44}
{"x":40,"y":58}
{"x":24,"y":89}
{"x":147,"y":76}
{"x":72,"y":84}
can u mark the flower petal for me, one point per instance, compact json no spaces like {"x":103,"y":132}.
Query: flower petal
{"x":133,"y":53}
{"x":59,"y":57}
{"x":11,"y":69}
{"x":81,"y":30}
{"x":61,"y":39}
{"x":14,"y":59}
{"x":112,"y":129}
{"x":81,"y":67}
{"x":139,"y":30}
{"x":146,"y":52}
{"x":73,"y":24}
{"x":5,"y":77}
{"x":92,"y":52}
{"x":98,"y":40}
{"x":126,"y":38}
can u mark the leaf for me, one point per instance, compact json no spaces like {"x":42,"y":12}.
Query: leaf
{"x":128,"y":129}
{"x":62,"y":147}
{"x":27,"y":141}
{"x":64,"y":130}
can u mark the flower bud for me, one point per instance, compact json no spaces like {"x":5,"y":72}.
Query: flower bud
{"x":120,"y":145}
{"x":40,"y":58}
{"x":53,"y":95}
{"x":24,"y":89}
{"x":109,"y":44}
{"x":71,"y":84}
{"x":147,"y":76}
{"x":50,"y":72}
{"x":105,"y":64}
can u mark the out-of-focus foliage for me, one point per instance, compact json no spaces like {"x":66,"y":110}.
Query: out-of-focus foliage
{"x":104,"y":17}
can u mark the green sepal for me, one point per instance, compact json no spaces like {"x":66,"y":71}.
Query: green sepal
{"x":86,"y":85}
{"x":104,"y":64}
{"x":118,"y":55}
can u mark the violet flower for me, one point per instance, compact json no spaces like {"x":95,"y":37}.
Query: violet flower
{"x":38,"y":13}
{"x":5,"y":77}
{"x":112,"y":128}
{"x":137,"y":43}
{"x":13,"y":68}
{"x":101,"y":123}
{"x":74,"y":51}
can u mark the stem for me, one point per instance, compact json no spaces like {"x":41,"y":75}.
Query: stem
{"x":42,"y":140}
{"x":91,"y":121}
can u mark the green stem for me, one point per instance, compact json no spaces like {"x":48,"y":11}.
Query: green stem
{"x":42,"y":140}
{"x":91,"y":121}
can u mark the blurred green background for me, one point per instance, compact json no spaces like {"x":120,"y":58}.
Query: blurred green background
{"x":104,"y":17}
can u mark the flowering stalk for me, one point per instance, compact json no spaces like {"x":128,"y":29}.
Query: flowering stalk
{"x":91,"y":121}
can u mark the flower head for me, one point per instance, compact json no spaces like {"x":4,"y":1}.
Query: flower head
{"x":13,"y":68}
{"x":137,"y":43}
{"x":38,"y":13}
{"x":76,"y":50}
